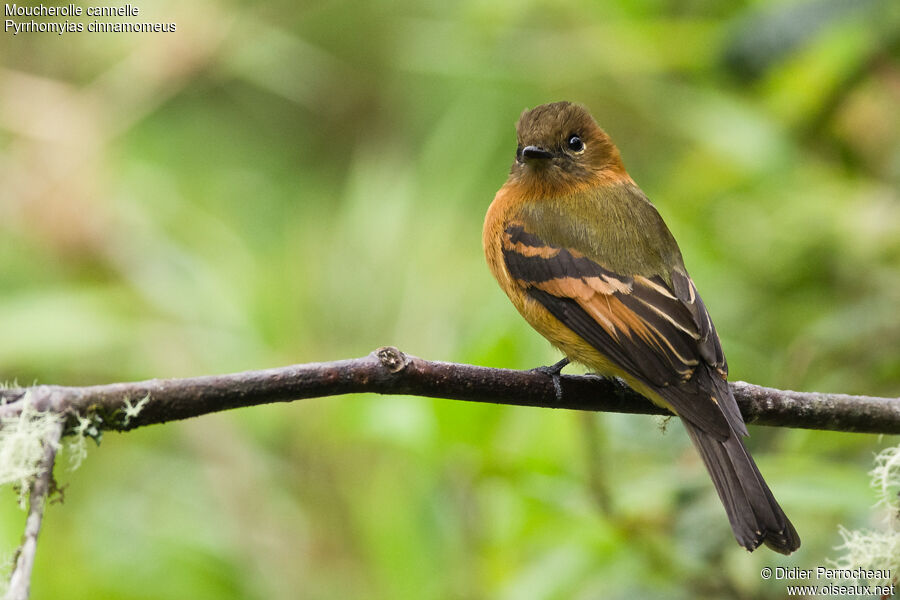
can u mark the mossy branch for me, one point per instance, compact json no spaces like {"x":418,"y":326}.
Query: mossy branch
{"x":390,"y":371}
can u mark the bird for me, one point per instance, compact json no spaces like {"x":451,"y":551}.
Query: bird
{"x":587,"y":260}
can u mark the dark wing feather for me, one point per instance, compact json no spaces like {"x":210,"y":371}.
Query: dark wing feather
{"x":709,"y":345}
{"x":660,"y":336}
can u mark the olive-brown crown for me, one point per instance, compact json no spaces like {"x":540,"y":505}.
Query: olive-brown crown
{"x":561,"y":141}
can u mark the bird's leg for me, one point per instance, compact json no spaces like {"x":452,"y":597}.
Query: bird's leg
{"x":553,"y":371}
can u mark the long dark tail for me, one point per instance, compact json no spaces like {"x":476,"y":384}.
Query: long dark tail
{"x":752,"y":510}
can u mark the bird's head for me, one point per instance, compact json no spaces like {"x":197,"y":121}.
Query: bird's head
{"x":560,"y":145}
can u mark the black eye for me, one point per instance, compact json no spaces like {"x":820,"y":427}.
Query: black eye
{"x":575,"y":143}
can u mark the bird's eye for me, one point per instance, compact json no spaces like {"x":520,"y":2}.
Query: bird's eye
{"x":575,"y":144}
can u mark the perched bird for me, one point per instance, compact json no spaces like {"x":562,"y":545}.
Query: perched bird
{"x":587,"y":260}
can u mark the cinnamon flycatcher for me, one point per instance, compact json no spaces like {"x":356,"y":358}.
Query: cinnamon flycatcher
{"x":587,"y":260}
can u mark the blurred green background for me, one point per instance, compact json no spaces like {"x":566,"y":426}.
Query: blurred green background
{"x":282,"y":182}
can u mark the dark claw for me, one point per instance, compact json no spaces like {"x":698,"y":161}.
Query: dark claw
{"x":553,"y":371}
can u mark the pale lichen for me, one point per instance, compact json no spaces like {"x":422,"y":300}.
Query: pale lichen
{"x":131,"y":411}
{"x":22,"y":440}
{"x":76,"y":444}
{"x":886,"y":478}
{"x":877,"y":550}
{"x":6,"y":566}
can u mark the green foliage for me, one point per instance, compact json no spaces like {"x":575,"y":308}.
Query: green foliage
{"x":282,"y":182}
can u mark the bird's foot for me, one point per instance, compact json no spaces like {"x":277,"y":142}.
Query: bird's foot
{"x":620,"y":388}
{"x":553,"y":371}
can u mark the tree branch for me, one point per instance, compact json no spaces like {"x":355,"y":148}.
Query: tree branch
{"x":20,"y":579}
{"x":389,"y":371}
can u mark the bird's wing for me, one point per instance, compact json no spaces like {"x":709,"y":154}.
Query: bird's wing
{"x":661,"y":336}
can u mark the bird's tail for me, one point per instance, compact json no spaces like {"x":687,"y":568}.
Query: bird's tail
{"x":752,"y":510}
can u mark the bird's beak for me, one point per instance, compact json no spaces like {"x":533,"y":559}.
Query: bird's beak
{"x":535,"y":152}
